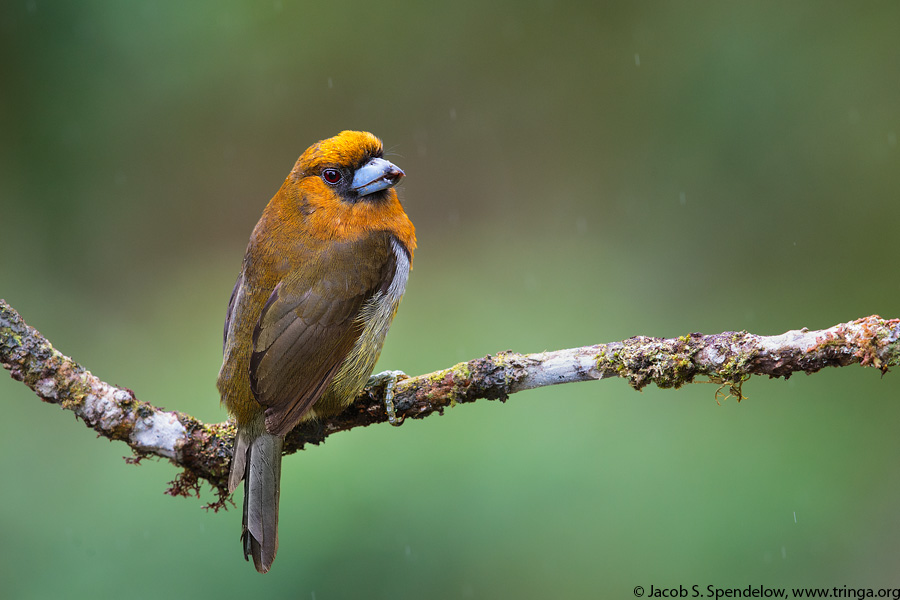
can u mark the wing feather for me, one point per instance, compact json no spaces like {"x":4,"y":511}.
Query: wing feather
{"x":309,"y":325}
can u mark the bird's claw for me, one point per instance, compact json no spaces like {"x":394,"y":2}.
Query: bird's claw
{"x":387,"y":380}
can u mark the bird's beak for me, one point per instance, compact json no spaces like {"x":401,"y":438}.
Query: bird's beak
{"x":375,"y":175}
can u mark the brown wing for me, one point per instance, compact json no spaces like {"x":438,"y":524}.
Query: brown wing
{"x":309,"y":325}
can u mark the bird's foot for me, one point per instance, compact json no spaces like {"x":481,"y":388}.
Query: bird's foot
{"x":387,"y":380}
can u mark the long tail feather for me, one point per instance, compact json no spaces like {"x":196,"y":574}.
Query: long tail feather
{"x":261,"y":470}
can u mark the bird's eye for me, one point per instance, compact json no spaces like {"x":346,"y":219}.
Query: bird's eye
{"x":331,"y":176}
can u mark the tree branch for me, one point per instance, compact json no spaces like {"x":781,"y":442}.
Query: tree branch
{"x":204,"y":450}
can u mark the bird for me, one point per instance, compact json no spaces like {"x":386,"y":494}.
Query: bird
{"x":320,"y":283}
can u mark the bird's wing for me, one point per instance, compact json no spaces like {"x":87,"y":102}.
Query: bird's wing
{"x":309,"y":325}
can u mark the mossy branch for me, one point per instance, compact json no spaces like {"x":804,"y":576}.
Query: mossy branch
{"x":204,"y":450}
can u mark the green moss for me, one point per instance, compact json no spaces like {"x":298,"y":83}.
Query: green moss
{"x":464,"y":371}
{"x":439,"y":376}
{"x":668,"y":363}
{"x":733,"y":373}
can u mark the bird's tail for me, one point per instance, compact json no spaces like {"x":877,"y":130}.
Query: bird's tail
{"x":257,"y":460}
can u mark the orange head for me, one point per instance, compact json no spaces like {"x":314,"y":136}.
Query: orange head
{"x":343,"y":187}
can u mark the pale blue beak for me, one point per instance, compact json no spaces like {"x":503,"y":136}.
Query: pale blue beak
{"x":375,"y":175}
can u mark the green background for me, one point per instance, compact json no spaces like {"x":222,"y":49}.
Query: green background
{"x":578,"y":173}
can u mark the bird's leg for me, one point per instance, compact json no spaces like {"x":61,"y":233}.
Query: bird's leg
{"x":387,"y":380}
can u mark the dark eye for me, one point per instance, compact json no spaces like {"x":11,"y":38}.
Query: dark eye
{"x":331,"y":176}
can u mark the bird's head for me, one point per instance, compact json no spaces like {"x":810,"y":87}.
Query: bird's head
{"x":341,"y":189}
{"x":350,"y":166}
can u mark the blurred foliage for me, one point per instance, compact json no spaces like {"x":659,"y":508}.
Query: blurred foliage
{"x":578,"y":172}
